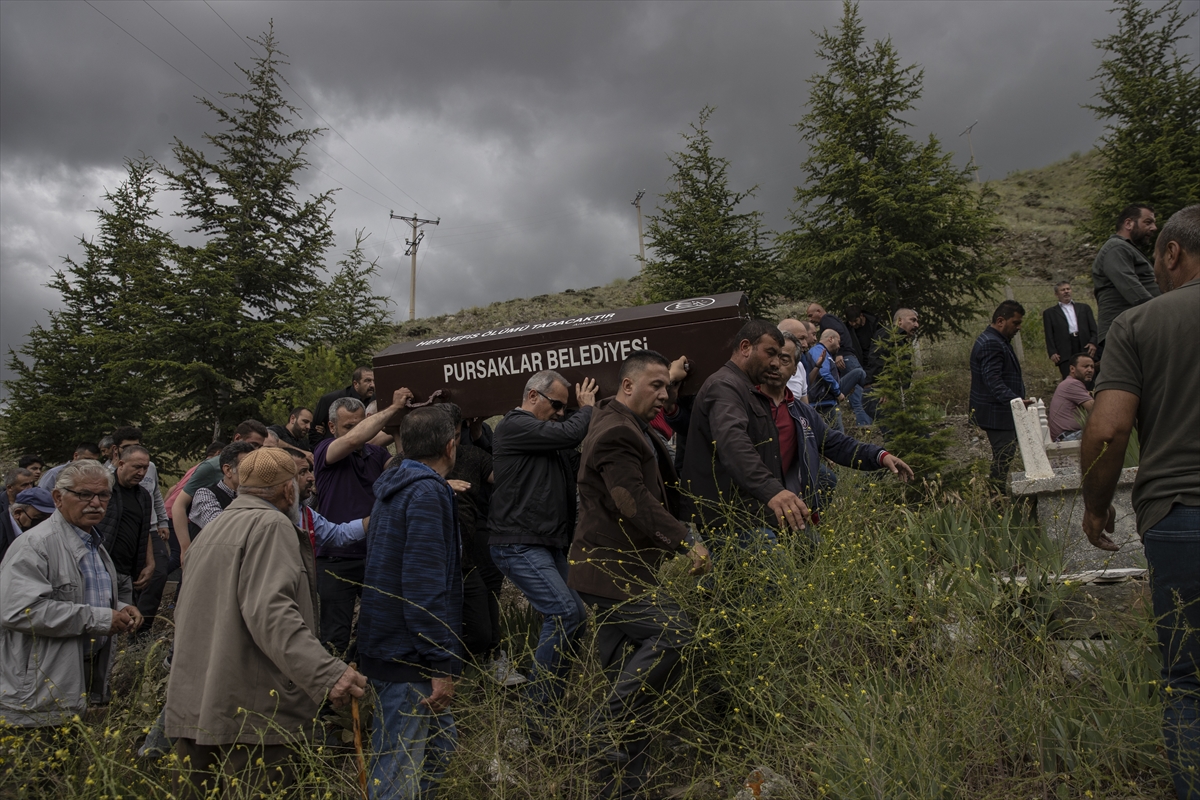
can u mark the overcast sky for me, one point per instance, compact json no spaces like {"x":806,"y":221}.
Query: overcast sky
{"x":527,"y":127}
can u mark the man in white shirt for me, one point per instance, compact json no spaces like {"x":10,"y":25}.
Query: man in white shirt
{"x":1070,"y":328}
{"x":798,"y":383}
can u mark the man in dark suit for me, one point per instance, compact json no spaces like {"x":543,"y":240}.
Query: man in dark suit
{"x":995,"y":381}
{"x":1070,"y":328}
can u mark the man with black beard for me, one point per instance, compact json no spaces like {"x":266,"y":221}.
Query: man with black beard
{"x":1122,"y":277}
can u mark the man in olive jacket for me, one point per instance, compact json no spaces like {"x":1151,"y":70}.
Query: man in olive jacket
{"x":628,"y":525}
{"x":249,"y":672}
{"x":732,"y":472}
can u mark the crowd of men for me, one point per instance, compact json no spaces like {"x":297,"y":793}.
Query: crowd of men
{"x":1140,"y":359}
{"x":316,"y":562}
{"x":1122,"y":278}
{"x":307,"y":546}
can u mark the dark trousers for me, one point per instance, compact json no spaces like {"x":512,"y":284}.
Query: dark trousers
{"x":482,"y":582}
{"x":148,"y":599}
{"x":202,"y":768}
{"x":1074,"y":345}
{"x":478,"y":619}
{"x":1004,"y":450}
{"x":339,"y":585}
{"x":639,"y":643}
{"x":1173,"y":554}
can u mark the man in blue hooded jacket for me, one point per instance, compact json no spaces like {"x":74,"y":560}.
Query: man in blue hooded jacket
{"x":410,"y":621}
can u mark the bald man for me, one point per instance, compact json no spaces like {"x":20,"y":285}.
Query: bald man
{"x":847,"y":359}
{"x":831,"y":387}
{"x":798,"y":383}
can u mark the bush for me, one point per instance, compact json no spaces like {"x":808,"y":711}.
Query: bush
{"x":911,"y":653}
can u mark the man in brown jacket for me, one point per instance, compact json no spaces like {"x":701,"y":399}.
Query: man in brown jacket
{"x":732,"y":473}
{"x":249,"y":672}
{"x":628,"y":525}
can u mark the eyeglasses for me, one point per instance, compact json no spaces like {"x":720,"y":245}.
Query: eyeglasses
{"x":557,"y":405}
{"x":88,"y":497}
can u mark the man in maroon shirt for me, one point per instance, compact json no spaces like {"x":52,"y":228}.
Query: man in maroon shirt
{"x":346,"y":468}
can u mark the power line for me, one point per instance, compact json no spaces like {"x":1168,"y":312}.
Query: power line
{"x":198,"y":47}
{"x":327,"y":122}
{"x":519,"y":220}
{"x":156,"y":55}
{"x":314,"y":144}
{"x":235,"y":33}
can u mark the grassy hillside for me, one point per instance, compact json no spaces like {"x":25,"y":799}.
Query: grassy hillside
{"x":1038,"y":208}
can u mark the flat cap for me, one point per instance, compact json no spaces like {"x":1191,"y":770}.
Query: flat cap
{"x":266,"y":467}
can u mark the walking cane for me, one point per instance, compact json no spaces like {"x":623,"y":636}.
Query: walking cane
{"x":358,"y":746}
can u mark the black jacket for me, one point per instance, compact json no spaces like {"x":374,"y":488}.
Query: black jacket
{"x":285,"y":436}
{"x":732,"y":465}
{"x":849,"y":340}
{"x":126,"y":555}
{"x":535,"y":462}
{"x":995,"y":381}
{"x":1058,"y":340}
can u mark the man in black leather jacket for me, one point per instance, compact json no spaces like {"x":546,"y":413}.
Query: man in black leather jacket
{"x":532,"y":516}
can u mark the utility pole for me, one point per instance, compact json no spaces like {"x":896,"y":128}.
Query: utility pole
{"x":637,"y":202}
{"x":413,"y":244}
{"x":971,"y":147}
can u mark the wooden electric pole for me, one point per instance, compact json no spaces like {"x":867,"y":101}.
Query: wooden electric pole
{"x":971,"y":147}
{"x":637,"y":202}
{"x":413,"y":244}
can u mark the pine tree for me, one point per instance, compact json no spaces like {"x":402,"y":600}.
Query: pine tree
{"x":245,"y":295}
{"x":702,"y":244}
{"x":96,"y":365}
{"x":883,"y":222}
{"x":347,"y":315}
{"x":909,"y":415}
{"x":1149,"y":99}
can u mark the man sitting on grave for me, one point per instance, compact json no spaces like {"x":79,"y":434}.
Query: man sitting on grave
{"x":1064,"y":416}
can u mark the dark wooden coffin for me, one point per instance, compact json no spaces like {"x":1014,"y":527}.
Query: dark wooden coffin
{"x":485,"y":372}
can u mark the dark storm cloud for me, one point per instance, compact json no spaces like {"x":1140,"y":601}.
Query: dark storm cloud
{"x":527,"y":127}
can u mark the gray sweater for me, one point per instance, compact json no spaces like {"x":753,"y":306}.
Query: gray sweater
{"x":1121,"y":278}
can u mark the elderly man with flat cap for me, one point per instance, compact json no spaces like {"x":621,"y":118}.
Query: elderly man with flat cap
{"x":249,"y":673}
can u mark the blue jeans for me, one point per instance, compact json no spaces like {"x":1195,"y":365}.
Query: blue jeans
{"x":851,"y":383}
{"x":832,"y":416}
{"x":1173,"y":553}
{"x":410,"y":745}
{"x":541,"y":575}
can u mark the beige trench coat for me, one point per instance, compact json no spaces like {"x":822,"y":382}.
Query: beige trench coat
{"x":248,"y":666}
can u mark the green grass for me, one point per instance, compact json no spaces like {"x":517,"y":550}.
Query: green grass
{"x":898,"y":659}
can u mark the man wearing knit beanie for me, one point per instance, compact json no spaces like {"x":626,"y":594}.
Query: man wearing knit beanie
{"x":249,"y":673}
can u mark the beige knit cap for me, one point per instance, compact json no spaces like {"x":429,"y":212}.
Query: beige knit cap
{"x":266,"y":467}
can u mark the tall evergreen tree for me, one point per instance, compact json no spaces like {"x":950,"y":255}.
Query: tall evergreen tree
{"x":95,"y":365}
{"x":883,"y":221}
{"x":245,"y":295}
{"x":701,"y":243}
{"x":1149,"y":100}
{"x":913,"y":422}
{"x":347,"y":315}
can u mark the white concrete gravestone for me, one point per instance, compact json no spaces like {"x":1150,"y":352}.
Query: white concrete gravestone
{"x":1060,"y":504}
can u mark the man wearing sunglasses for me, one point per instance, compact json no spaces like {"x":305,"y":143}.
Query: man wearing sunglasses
{"x":532,"y":517}
{"x":60,"y":606}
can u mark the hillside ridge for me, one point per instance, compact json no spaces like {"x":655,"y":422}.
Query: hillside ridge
{"x":1039,"y":211}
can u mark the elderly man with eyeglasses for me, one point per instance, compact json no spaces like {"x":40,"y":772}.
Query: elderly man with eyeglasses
{"x":532,"y":516}
{"x":60,"y":607}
